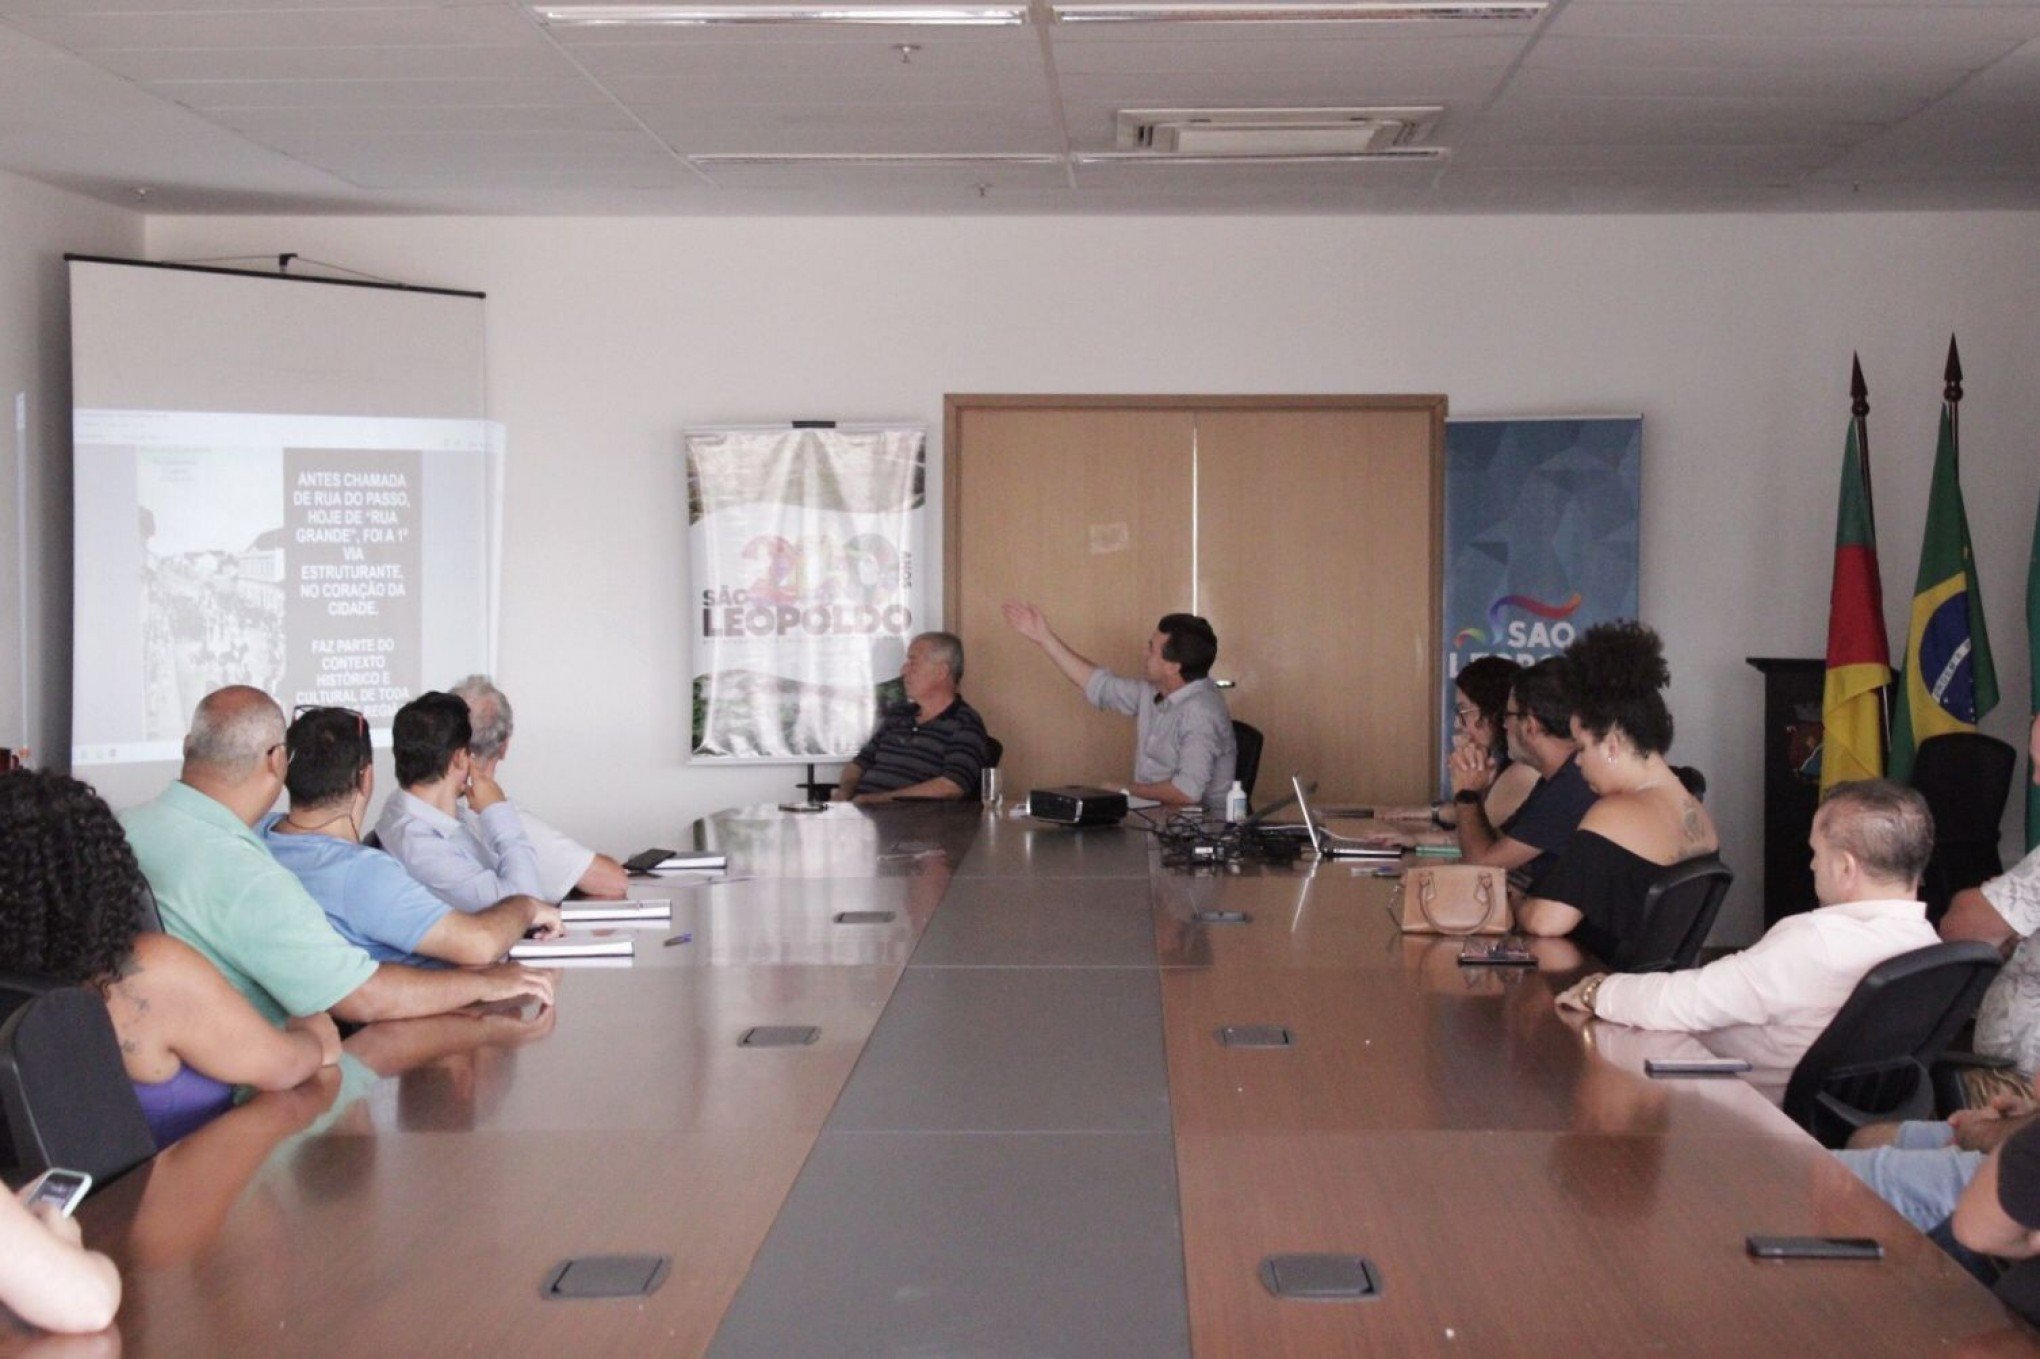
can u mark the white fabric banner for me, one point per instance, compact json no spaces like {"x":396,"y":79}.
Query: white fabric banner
{"x":805,"y":553}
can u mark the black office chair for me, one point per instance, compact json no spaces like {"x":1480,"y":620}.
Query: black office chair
{"x":1966,"y":778}
{"x":995,"y":751}
{"x":1249,"y":740}
{"x":152,"y":918}
{"x":1678,"y":912}
{"x":1874,"y":1063}
{"x":2017,"y":1288}
{"x":19,"y":988}
{"x":65,"y":1093}
{"x":372,"y":840}
{"x":1692,"y":780}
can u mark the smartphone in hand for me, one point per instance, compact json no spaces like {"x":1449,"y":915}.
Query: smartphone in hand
{"x":62,"y":1189}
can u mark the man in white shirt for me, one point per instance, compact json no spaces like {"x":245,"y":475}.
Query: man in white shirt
{"x":469,"y":870}
{"x":1871,"y":842}
{"x":564,"y":864}
{"x":1920,"y":1167}
{"x":2005,"y":912}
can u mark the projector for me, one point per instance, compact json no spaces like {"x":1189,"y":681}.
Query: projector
{"x":1077,"y":806}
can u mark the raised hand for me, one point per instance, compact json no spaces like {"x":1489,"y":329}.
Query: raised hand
{"x":1027,"y":620}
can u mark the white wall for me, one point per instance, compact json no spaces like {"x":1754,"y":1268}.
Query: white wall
{"x":1731,"y":335}
{"x":38,"y":225}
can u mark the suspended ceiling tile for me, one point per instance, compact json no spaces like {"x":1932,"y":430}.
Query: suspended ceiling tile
{"x":440,"y":26}
{"x":339,"y":63}
{"x":741,"y":89}
{"x":1279,"y":89}
{"x":454,"y":148}
{"x":1592,"y":122}
{"x":859,"y":50}
{"x":1887,"y":96}
{"x":1838,"y":51}
{"x":592,"y":43}
{"x":272,"y":124}
{"x":206,"y":95}
{"x":1751,"y":161}
{"x":1431,"y":43}
{"x":963,"y":182}
{"x":821,"y":130}
{"x":1295,"y":48}
{"x":1709,"y":18}
{"x":12,"y":8}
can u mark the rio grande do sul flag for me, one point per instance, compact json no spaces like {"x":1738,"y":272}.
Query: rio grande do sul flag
{"x":1858,"y":654}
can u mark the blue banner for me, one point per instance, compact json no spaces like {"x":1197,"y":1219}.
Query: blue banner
{"x":1540,"y":536}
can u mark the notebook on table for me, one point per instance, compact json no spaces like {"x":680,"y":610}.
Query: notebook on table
{"x":570,"y":948}
{"x":630,"y":911}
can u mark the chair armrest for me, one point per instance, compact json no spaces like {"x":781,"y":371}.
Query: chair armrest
{"x":1946,"y":1076}
{"x":1979,"y":1061}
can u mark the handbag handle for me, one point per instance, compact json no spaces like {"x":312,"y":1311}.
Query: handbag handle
{"x":1483,"y":891}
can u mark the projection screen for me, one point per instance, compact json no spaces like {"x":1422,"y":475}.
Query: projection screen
{"x":279,"y":481}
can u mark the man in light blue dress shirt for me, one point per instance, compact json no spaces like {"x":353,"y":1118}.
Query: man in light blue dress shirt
{"x":1184,"y":749}
{"x":468,"y":869}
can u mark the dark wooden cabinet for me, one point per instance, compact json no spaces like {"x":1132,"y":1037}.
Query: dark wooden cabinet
{"x":1792,"y":732}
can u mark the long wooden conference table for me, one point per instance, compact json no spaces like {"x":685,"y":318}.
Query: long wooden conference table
{"x":1014,"y":1131}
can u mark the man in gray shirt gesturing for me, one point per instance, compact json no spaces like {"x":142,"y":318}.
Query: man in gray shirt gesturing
{"x":1184,"y":753}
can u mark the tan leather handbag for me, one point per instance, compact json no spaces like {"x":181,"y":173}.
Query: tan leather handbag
{"x":1453,"y":899}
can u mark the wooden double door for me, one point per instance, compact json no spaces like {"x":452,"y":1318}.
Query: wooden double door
{"x":1307,"y":529}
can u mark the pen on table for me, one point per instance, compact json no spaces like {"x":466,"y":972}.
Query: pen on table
{"x":680,"y":939}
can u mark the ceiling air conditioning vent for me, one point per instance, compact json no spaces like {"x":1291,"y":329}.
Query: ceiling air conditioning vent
{"x":1274,"y":132}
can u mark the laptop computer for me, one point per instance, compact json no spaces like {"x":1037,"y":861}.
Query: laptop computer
{"x":1328,"y":845}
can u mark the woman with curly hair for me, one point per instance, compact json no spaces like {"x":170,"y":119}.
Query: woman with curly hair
{"x":1644,"y":820}
{"x":71,"y":911}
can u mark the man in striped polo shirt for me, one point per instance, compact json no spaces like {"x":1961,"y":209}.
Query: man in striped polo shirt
{"x":931,"y":746}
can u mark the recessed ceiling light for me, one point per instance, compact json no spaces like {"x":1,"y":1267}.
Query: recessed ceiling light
{"x":685,"y":16}
{"x":1275,"y":12}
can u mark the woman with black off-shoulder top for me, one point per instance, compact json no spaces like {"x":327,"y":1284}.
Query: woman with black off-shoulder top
{"x":1644,"y":820}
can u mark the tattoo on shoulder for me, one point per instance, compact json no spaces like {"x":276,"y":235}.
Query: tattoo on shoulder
{"x":1694,"y":831}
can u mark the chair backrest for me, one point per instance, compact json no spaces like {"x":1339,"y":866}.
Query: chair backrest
{"x":1871,"y":1064}
{"x":1692,"y":780}
{"x":1678,"y":913}
{"x":63,"y":1088}
{"x":995,"y":751}
{"x":1966,"y":778}
{"x":152,"y":918}
{"x":374,"y":841}
{"x":19,"y":988}
{"x":1248,"y":739}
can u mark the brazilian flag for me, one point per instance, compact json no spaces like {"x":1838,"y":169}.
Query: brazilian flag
{"x":1950,"y":681}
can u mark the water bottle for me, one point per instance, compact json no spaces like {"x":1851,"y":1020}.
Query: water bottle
{"x":1235,"y":803}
